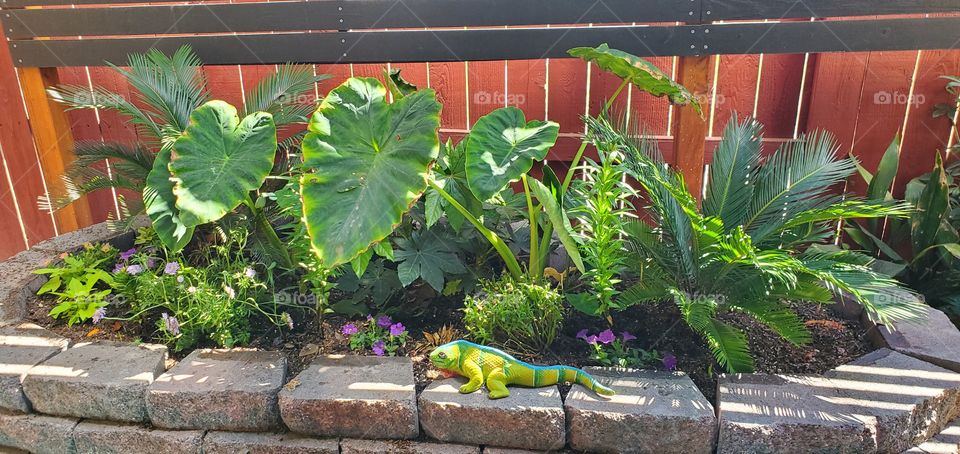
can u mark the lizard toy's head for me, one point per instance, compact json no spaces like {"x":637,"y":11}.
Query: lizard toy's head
{"x":445,"y":356}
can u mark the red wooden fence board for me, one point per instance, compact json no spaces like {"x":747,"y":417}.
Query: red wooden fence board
{"x":779,"y":94}
{"x":736,"y":87}
{"x":652,"y":112}
{"x":20,"y":156}
{"x":527,"y":87}
{"x":924,"y":135}
{"x":450,"y":82}
{"x":487,"y":88}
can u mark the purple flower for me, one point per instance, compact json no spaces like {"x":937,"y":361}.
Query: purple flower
{"x":397,"y":329}
{"x":582,"y":334}
{"x":99,"y":314}
{"x":349,"y":329}
{"x":150,"y":262}
{"x":125,"y":255}
{"x":669,"y":361}
{"x":606,"y":337}
{"x":171,"y":268}
{"x":369,"y":318}
{"x":591,"y":339}
{"x":118,"y":267}
{"x":378,"y":348}
{"x":134,"y":269}
{"x":384,"y":321}
{"x":250,"y":272}
{"x":171,"y":324}
{"x":627,"y":336}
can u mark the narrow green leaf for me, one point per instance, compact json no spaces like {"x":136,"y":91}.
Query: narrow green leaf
{"x":882,"y":183}
{"x":559,"y":219}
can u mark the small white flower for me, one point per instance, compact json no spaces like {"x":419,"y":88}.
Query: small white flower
{"x":230,"y":292}
{"x":250,"y":272}
{"x":191,"y":289}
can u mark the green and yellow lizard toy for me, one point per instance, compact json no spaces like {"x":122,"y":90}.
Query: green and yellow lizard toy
{"x":482,"y":364}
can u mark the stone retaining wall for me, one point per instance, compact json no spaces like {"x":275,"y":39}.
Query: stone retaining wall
{"x":106,"y":397}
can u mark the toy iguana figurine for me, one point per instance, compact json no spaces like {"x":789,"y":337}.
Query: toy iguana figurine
{"x":482,"y":364}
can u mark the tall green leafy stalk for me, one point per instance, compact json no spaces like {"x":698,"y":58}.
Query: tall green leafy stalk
{"x":601,"y":230}
{"x":502,"y":148}
{"x":760,"y":238}
{"x":922,"y":251}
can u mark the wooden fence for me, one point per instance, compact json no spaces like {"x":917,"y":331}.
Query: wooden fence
{"x":864,"y":98}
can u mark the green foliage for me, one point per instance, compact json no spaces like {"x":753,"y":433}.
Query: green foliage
{"x":80,"y":299}
{"x":213,"y":301}
{"x":425,"y":256}
{"x":601,"y":229}
{"x":81,"y":283}
{"x":949,"y":109}
{"x":219,"y":160}
{"x":517,"y":315}
{"x":165,"y":91}
{"x":748,"y":250}
{"x":921,"y":251}
{"x":502,"y":146}
{"x":378,"y":335}
{"x":366,"y":163}
{"x":612,"y":351}
{"x":641,"y":73}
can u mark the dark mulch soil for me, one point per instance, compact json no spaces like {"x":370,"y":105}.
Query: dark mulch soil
{"x":656,"y":326}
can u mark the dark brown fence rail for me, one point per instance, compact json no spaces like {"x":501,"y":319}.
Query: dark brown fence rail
{"x":353,"y":31}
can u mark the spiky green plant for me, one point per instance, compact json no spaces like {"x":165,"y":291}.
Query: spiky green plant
{"x":165,"y":90}
{"x":758,"y":240}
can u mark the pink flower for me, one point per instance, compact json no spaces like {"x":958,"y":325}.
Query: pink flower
{"x":627,"y":336}
{"x":606,"y":337}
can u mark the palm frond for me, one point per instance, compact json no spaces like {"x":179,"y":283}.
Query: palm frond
{"x":171,"y":87}
{"x":133,"y":162}
{"x":883,"y":298}
{"x":797,"y":178}
{"x":728,"y":344}
{"x":81,"y":97}
{"x":735,"y":163}
{"x":774,"y":315}
{"x":277,"y":94}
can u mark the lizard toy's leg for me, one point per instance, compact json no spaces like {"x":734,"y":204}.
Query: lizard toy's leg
{"x":472,"y":371}
{"x":497,"y":384}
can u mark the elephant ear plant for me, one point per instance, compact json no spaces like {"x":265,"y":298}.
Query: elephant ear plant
{"x":763,"y":236}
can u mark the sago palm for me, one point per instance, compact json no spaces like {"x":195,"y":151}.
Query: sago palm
{"x":165,"y":90}
{"x":760,"y":239}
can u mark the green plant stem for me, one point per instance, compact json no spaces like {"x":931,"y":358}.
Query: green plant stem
{"x":512,"y":265}
{"x":260,"y":218}
{"x":534,"y":269}
{"x":583,"y":145}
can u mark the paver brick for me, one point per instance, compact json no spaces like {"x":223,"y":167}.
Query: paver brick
{"x":266,"y":443}
{"x":22,"y":347}
{"x":931,"y":337}
{"x":105,"y":438}
{"x":37,"y":433}
{"x":652,"y":412}
{"x":219,"y":390}
{"x":101,"y":380}
{"x":531,"y":418}
{"x":354,"y":446}
{"x":353,"y":396}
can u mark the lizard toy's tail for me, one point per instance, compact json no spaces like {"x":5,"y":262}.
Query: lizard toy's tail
{"x":578,"y":376}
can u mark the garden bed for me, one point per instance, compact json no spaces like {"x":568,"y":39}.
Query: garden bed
{"x":658,"y":327}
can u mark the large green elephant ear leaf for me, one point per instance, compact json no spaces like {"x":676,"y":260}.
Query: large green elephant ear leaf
{"x":641,"y":73}
{"x":160,"y":205}
{"x":502,"y":146}
{"x":219,"y":159}
{"x":367,"y":163}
